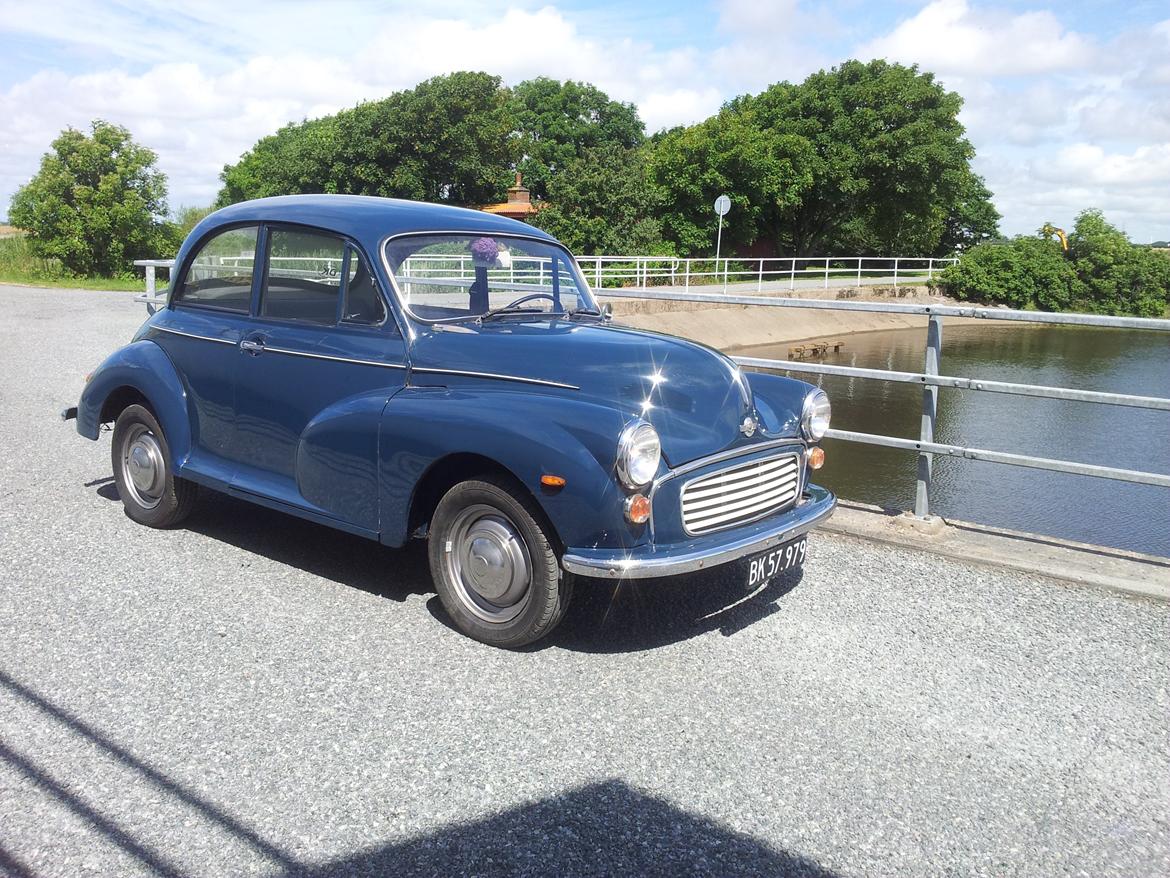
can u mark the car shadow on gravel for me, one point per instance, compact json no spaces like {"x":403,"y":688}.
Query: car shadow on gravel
{"x":605,"y":828}
{"x":603,"y":616}
{"x":322,"y":551}
{"x":637,"y":615}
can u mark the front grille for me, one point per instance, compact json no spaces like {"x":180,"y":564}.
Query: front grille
{"x":740,"y":493}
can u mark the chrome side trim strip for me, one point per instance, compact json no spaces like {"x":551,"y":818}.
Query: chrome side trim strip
{"x":193,"y":335}
{"x":495,"y":375}
{"x":292,"y":353}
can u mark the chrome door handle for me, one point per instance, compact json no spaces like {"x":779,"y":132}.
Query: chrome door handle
{"x":252,"y":347}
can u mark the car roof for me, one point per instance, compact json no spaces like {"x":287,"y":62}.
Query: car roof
{"x":368,"y":218}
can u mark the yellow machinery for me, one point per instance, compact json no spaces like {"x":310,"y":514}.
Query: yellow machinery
{"x":1049,"y":230}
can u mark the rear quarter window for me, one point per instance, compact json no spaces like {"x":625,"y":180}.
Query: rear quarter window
{"x":220,"y":275}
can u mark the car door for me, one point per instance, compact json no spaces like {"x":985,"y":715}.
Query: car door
{"x":200,"y":332}
{"x":319,"y":363}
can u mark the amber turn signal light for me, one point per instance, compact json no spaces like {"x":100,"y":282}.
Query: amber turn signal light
{"x":637,"y":508}
{"x":552,"y":481}
{"x":816,"y":457}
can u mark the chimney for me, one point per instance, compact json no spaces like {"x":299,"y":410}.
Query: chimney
{"x":519,"y":194}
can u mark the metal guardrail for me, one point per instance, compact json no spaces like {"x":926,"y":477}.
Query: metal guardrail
{"x":931,"y":380}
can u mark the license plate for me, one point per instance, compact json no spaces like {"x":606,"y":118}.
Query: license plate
{"x":768,"y":564}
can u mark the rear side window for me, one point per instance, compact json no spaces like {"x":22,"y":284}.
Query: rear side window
{"x":304,"y":275}
{"x":220,"y":276}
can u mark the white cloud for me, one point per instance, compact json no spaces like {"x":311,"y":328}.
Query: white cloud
{"x":948,"y":36}
{"x":1061,"y":120}
{"x":1089,"y":165}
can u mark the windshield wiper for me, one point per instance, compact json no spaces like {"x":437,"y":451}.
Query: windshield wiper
{"x":508,"y":309}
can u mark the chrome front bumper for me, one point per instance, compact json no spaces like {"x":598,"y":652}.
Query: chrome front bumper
{"x":642,"y":562}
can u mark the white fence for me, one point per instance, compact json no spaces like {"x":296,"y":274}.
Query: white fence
{"x":769,"y":273}
{"x":675,"y":272}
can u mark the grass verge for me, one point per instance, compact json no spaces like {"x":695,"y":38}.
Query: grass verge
{"x":18,"y":265}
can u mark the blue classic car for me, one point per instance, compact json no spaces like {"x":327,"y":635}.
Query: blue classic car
{"x":396,"y":370}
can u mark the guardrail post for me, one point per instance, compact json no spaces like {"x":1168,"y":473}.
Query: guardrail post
{"x":895,"y":272}
{"x":792,"y":273}
{"x":597,"y":273}
{"x":687,"y":278}
{"x":929,"y":412}
{"x":859,"y":272}
{"x":150,"y":280}
{"x":930,"y":269}
{"x":826,"y":272}
{"x":760,"y":278}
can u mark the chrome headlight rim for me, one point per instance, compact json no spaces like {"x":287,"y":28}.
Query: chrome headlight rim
{"x":815,"y":415}
{"x":628,"y":471}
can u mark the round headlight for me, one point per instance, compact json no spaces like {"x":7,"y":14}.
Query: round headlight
{"x":814,"y":420}
{"x":638,"y":454}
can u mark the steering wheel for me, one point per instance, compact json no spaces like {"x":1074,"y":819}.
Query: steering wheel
{"x":529,"y":298}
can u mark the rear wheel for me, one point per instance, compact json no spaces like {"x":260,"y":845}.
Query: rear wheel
{"x":150,"y":491}
{"x":494,"y":564}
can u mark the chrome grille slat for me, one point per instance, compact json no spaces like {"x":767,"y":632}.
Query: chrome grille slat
{"x":740,"y":493}
{"x":763,"y":486}
{"x":745,"y":503}
{"x":744,"y":480}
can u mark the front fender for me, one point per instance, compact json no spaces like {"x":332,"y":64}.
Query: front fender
{"x":530,"y":434}
{"x":144,"y":367}
{"x":779,"y":402}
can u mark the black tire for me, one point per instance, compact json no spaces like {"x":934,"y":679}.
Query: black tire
{"x":150,"y":491}
{"x":514,"y":539}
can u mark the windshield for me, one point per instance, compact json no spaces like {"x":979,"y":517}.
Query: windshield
{"x":456,"y":276}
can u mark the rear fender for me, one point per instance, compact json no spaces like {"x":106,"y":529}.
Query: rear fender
{"x":144,"y":367}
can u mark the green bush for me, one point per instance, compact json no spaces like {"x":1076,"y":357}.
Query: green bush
{"x":1021,"y":273}
{"x":1118,"y":277}
{"x":1102,"y":273}
{"x":96,"y":203}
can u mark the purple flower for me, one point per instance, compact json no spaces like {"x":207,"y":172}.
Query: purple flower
{"x":484,"y":250}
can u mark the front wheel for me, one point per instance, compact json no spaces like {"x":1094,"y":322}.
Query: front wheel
{"x":151,"y":493}
{"x":494,"y":564}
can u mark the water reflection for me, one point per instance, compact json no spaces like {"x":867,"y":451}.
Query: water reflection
{"x":1119,"y":514}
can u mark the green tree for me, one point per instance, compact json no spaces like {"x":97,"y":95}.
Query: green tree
{"x":554,"y":123}
{"x":297,"y":159}
{"x":446,"y":140}
{"x":96,"y":204}
{"x":865,"y":158}
{"x":605,"y":203}
{"x":972,"y":218}
{"x":188,"y":217}
{"x":1118,"y":277}
{"x":764,"y":170}
{"x":890,"y":159}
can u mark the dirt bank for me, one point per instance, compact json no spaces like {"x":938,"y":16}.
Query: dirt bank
{"x":730,"y":327}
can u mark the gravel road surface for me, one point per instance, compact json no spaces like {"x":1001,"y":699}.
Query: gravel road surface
{"x":256,"y":695}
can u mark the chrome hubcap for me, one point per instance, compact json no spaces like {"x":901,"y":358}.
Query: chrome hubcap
{"x":143,"y":469}
{"x":487,"y":562}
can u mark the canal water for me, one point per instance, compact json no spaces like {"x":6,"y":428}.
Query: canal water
{"x":1092,"y":510}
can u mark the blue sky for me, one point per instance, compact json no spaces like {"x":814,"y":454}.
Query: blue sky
{"x":1068,"y":105}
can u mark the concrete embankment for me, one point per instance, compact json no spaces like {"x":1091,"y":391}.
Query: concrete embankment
{"x":1101,"y":567}
{"x":732,"y":327}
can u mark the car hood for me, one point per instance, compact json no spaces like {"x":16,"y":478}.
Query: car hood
{"x":695,"y":397}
